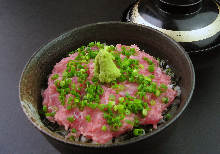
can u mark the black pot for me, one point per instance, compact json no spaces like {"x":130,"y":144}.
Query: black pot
{"x":195,"y":24}
{"x":35,"y":75}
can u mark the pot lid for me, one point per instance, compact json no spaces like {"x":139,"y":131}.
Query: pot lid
{"x":195,"y":24}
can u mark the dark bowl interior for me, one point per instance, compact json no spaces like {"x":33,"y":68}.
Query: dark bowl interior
{"x":35,"y":74}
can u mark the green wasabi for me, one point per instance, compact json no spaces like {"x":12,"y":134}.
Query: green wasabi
{"x":105,"y":68}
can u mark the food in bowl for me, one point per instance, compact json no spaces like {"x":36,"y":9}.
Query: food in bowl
{"x":100,"y":92}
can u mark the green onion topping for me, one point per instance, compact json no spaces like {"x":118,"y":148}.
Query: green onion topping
{"x":55,"y":76}
{"x":151,"y":68}
{"x":88,"y":118}
{"x":165,"y":100}
{"x":168,"y":116}
{"x":45,"y":108}
{"x":73,"y":130}
{"x":138,"y":132}
{"x":71,"y":119}
{"x":104,"y":128}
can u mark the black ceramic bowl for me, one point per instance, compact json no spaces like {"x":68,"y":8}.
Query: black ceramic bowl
{"x":35,"y":75}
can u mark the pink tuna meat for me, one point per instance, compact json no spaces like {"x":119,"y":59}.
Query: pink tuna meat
{"x":92,"y":129}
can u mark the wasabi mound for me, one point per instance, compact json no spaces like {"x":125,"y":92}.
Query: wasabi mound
{"x":105,"y":68}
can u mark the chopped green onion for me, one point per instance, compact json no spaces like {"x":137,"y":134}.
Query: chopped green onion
{"x":104,"y":128}
{"x":151,"y":68}
{"x":71,"y":119}
{"x":62,"y":99}
{"x":91,"y":44}
{"x":70,"y":99}
{"x":165,"y":100}
{"x":121,"y":99}
{"x":93,"y":105}
{"x":76,"y":100}
{"x":163,"y":87}
{"x":154,"y":84}
{"x":157,"y":92}
{"x":65,"y":74}
{"x":112,"y":48}
{"x":152,"y":102}
{"x":68,"y":81}
{"x":57,"y":83}
{"x":73,"y":130}
{"x":72,"y":138}
{"x":55,"y":76}
{"x":146,"y":105}
{"x":88,"y":118}
{"x":136,"y":122}
{"x":115,"y":86}
{"x":111,"y":103}
{"x":115,"y":107}
{"x":45,"y":108}
{"x":112,"y":97}
{"x":116,"y":126}
{"x":148,"y":60}
{"x":120,"y":108}
{"x":152,"y":76}
{"x":147,"y":79}
{"x":168,"y":116}
{"x":138,"y":132}
{"x":102,"y":107}
{"x":141,"y":66}
{"x":158,"y":59}
{"x":127,"y":112}
{"x":144,"y":112}
{"x":69,"y":107}
{"x":67,"y":90}
{"x":132,"y":50}
{"x":52,"y":114}
{"x":62,"y":83}
{"x":129,"y":122}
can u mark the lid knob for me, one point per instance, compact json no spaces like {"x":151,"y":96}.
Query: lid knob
{"x":180,"y":6}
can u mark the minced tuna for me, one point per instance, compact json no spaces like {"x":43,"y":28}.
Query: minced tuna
{"x":79,"y":101}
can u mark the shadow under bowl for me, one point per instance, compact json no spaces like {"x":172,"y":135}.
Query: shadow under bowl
{"x":35,"y":74}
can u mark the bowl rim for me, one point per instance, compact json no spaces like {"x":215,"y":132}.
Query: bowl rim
{"x":137,"y":139}
{"x":180,"y":5}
